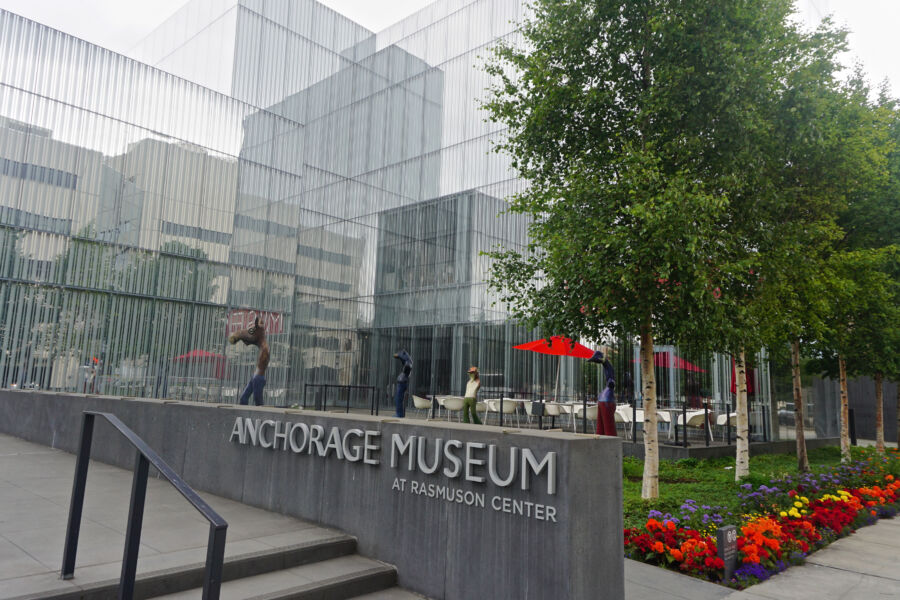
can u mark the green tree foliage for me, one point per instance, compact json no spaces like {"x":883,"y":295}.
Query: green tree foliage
{"x":633,"y":124}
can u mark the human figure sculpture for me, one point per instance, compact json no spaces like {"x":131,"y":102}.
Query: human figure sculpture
{"x":606,"y":401}
{"x":402,"y":382}
{"x":470,"y":401}
{"x":254,"y":335}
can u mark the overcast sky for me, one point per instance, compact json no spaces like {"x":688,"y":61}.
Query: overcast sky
{"x":119,"y":24}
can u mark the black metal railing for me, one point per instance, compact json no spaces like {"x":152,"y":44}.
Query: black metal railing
{"x":215,"y":550}
{"x":320,"y":395}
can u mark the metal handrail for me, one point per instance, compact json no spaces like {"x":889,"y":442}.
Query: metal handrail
{"x":215,"y":550}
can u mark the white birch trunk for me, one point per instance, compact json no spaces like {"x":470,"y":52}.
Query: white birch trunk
{"x":650,"y":486}
{"x":742,"y":440}
{"x":845,"y":412}
{"x":802,"y":458}
{"x":879,"y":413}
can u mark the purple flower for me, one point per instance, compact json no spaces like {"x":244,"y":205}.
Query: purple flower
{"x":750,"y":573}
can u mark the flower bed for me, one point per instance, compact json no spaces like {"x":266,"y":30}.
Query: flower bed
{"x":779,"y":524}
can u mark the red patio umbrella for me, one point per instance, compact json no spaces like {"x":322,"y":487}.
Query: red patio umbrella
{"x":198,"y":355}
{"x":558,"y":346}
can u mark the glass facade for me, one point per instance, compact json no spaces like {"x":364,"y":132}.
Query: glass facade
{"x":267,"y":158}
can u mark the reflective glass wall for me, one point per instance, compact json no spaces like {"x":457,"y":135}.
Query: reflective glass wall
{"x":267,"y":159}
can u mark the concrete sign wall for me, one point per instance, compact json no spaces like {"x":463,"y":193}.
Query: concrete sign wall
{"x":464,"y":512}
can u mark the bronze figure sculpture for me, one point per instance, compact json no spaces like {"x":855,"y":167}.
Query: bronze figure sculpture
{"x":254,"y":335}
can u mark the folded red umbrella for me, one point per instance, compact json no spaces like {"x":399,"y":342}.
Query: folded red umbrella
{"x":557,"y":346}
{"x":662,"y":359}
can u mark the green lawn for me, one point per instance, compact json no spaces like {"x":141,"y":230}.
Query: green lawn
{"x":707,"y":481}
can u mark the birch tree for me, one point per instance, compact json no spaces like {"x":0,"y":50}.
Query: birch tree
{"x":632,"y":124}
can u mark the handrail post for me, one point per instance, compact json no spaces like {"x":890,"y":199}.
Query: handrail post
{"x":77,"y":503}
{"x":706,"y":421}
{"x":348,"y":400}
{"x":584,"y":414}
{"x":215,"y":556}
{"x":728,"y":423}
{"x":501,"y":410}
{"x":684,"y":441}
{"x":634,"y":421}
{"x":135,"y":521}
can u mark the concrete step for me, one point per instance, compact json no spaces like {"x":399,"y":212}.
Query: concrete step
{"x":319,"y":544}
{"x":393,"y":593}
{"x":333,"y":579}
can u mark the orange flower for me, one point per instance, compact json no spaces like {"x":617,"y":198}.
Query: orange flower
{"x":671,"y":525}
{"x":659,"y":548}
{"x":888,"y":477}
{"x":653,"y":524}
{"x":873,"y":512}
{"x":676,"y":554}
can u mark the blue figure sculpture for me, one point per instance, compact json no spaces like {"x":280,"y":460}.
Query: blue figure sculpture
{"x":402,"y":382}
{"x":606,"y":401}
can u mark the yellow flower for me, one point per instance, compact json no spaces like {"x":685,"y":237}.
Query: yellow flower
{"x":798,"y":505}
{"x":803,"y":511}
{"x":804,"y":499}
{"x":782,"y":514}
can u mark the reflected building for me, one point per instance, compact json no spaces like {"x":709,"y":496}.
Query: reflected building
{"x":266,"y":158}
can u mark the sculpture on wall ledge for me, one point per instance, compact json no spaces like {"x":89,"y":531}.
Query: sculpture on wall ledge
{"x":255,"y":335}
{"x":402,"y":382}
{"x":606,"y":401}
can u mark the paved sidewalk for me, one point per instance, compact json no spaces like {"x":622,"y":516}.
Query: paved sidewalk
{"x":646,"y":582}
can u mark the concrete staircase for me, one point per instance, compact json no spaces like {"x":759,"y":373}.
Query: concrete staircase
{"x":322,"y":570}
{"x":267,"y":555}
{"x":324,"y":566}
{"x":326,"y":569}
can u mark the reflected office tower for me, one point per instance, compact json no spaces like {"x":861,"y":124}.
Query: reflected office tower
{"x":270,"y":159}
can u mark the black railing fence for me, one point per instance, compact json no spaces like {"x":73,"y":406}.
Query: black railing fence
{"x":145,"y":456}
{"x":318,"y":395}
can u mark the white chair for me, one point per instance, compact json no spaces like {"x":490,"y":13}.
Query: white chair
{"x":453,"y":404}
{"x":591,"y":414}
{"x":694,"y":419}
{"x":509,"y":408}
{"x":578,"y":411}
{"x":623,"y":415}
{"x":440,"y":406}
{"x":568,"y":409}
{"x":722,"y":420}
{"x":482,"y":407}
{"x":552,"y":409}
{"x":421,"y":404}
{"x":529,"y":411}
